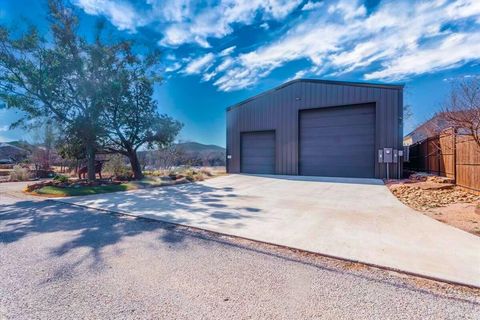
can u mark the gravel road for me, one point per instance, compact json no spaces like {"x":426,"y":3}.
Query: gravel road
{"x":64,"y":262}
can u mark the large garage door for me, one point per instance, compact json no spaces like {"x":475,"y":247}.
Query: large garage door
{"x":258,"y":152}
{"x":338,"y":142}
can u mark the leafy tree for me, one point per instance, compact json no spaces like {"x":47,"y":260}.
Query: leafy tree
{"x":58,"y":80}
{"x":100,"y":93}
{"x":136,"y":123}
{"x":130,"y":118}
{"x":71,"y":147}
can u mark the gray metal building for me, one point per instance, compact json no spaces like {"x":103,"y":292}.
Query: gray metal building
{"x":318,"y":128}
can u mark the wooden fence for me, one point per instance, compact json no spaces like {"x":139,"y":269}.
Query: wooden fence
{"x":449,"y":154}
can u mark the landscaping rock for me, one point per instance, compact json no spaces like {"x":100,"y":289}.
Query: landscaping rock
{"x":424,"y":195}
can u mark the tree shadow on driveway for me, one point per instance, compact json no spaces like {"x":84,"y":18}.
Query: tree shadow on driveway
{"x":188,"y":204}
{"x":90,"y":229}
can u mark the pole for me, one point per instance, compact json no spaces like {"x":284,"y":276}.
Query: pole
{"x":398,"y":167}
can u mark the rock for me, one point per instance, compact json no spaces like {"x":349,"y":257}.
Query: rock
{"x":424,"y":192}
{"x":436,"y":186}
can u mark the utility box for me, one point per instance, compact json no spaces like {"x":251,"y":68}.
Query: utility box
{"x":380,"y":155}
{"x":388,"y":155}
{"x":395,"y":156}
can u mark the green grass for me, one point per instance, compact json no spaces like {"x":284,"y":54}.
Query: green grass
{"x":84,"y":191}
{"x":81,"y":191}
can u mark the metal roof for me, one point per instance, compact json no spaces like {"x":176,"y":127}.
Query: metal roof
{"x":334,"y":82}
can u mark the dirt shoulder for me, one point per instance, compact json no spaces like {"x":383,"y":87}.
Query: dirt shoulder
{"x":440,"y":199}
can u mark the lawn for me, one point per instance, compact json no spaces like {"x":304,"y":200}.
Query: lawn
{"x":81,"y":191}
{"x":88,"y":190}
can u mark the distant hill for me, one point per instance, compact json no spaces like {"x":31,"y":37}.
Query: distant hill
{"x":184,"y":153}
{"x":12,"y":151}
{"x":23,"y":145}
{"x":198,"y":154}
{"x":191,"y":153}
{"x":199,"y":147}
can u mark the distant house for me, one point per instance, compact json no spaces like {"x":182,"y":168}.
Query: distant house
{"x":436,"y":125}
{"x":428,"y":129}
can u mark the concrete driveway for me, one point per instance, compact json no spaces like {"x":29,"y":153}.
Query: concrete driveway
{"x":355,"y":219}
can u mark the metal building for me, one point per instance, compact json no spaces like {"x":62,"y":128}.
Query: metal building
{"x":318,"y":128}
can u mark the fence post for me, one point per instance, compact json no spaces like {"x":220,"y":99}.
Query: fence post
{"x":428,"y":157}
{"x":454,"y":146}
{"x":439,"y":154}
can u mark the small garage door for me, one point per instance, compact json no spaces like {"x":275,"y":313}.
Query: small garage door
{"x":258,"y":152}
{"x":338,"y":141}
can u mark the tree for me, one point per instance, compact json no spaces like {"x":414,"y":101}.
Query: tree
{"x":462,"y":107}
{"x":407,"y":112}
{"x":144,"y":127}
{"x":131,"y":119}
{"x":100,"y":92}
{"x":72,"y":149}
{"x":60,"y":80}
{"x":43,"y":153}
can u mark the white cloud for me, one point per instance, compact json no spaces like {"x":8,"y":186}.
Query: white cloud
{"x":311,"y":39}
{"x":311,"y":5}
{"x":122,"y":14}
{"x":173,"y":10}
{"x":452,"y":51}
{"x":225,"y":64}
{"x":348,"y":9}
{"x":397,"y":40}
{"x":188,"y":21}
{"x":298,"y":75}
{"x":200,"y":64}
{"x":204,"y":63}
{"x":227,"y":51}
{"x":265,"y":26}
{"x":193,"y":24}
{"x":173,"y":67}
{"x":4,"y":128}
{"x":208,"y":76}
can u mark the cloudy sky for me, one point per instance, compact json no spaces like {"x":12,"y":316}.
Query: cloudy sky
{"x":219,"y":52}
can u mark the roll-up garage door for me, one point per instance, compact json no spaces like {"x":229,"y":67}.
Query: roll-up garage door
{"x":338,"y":141}
{"x":258,"y":152}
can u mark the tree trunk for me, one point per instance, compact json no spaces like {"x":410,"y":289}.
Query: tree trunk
{"x":136,"y":168}
{"x":91,"y":161}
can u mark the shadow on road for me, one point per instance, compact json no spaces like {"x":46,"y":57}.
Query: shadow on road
{"x":93,"y":229}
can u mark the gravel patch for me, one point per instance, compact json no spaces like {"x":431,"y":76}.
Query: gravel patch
{"x":59,"y":261}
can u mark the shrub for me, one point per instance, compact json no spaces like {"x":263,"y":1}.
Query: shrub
{"x":60,"y":178}
{"x":193,"y":175}
{"x":116,"y":167}
{"x":207,"y":172}
{"x":19,"y":173}
{"x":155,"y":173}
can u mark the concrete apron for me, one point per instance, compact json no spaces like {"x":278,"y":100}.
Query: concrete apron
{"x":351,"y":219}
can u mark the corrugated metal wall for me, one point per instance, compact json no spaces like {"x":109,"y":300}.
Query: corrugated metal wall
{"x":278,"y":110}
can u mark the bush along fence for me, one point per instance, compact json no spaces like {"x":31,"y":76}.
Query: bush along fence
{"x":450,"y":154}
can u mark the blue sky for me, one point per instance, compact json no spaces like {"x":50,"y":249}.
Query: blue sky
{"x":219,"y":52}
